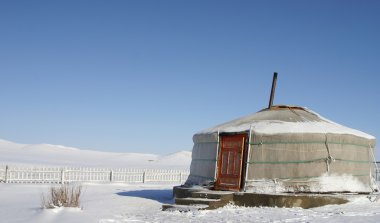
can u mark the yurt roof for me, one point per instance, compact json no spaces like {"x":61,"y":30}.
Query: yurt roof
{"x":285,"y":119}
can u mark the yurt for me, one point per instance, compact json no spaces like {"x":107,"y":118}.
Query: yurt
{"x":283,"y":149}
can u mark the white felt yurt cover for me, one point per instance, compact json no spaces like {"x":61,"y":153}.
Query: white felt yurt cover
{"x":291,"y":148}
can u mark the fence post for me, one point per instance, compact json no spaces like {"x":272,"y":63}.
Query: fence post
{"x":180,"y":177}
{"x":111,"y":175}
{"x":144,"y":177}
{"x":6,"y":174}
{"x":62,"y":176}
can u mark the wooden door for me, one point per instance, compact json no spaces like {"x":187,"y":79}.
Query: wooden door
{"x":230,"y":162}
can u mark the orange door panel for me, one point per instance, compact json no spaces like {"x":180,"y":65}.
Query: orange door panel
{"x":230,"y":162}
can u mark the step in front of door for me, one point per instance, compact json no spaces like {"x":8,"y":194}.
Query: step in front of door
{"x":184,"y":208}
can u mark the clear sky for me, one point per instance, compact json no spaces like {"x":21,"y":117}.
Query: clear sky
{"x":144,"y":76}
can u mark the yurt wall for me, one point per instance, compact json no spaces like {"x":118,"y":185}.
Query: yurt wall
{"x":203,"y":159}
{"x":304,"y":157}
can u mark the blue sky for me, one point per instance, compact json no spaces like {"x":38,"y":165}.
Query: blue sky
{"x":144,"y":76}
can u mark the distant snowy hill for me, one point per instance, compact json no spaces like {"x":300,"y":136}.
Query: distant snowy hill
{"x":56,"y":155}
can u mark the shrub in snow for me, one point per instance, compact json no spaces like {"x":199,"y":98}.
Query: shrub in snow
{"x":65,"y":195}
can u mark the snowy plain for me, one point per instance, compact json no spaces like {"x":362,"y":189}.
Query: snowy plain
{"x":105,"y":203}
{"x":56,"y":155}
{"x":142,"y":203}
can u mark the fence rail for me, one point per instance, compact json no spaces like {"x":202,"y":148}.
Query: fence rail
{"x":9,"y":174}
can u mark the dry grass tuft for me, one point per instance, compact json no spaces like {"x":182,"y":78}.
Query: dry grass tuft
{"x":65,"y":195}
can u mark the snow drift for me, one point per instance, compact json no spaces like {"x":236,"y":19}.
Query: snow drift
{"x":57,"y":155}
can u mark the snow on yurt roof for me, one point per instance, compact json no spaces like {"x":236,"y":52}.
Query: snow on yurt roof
{"x":285,"y":119}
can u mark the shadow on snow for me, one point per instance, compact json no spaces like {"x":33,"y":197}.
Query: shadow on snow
{"x":162,"y":196}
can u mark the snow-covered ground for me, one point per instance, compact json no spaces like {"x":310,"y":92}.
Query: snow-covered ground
{"x":105,"y":203}
{"x":142,"y":203}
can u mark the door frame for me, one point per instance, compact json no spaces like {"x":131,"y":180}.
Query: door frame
{"x":244,"y":157}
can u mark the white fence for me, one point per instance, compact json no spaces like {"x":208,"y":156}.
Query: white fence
{"x":377,"y":171}
{"x":9,"y":174}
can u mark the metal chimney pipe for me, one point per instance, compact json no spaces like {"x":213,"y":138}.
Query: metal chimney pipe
{"x":272,"y":91}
